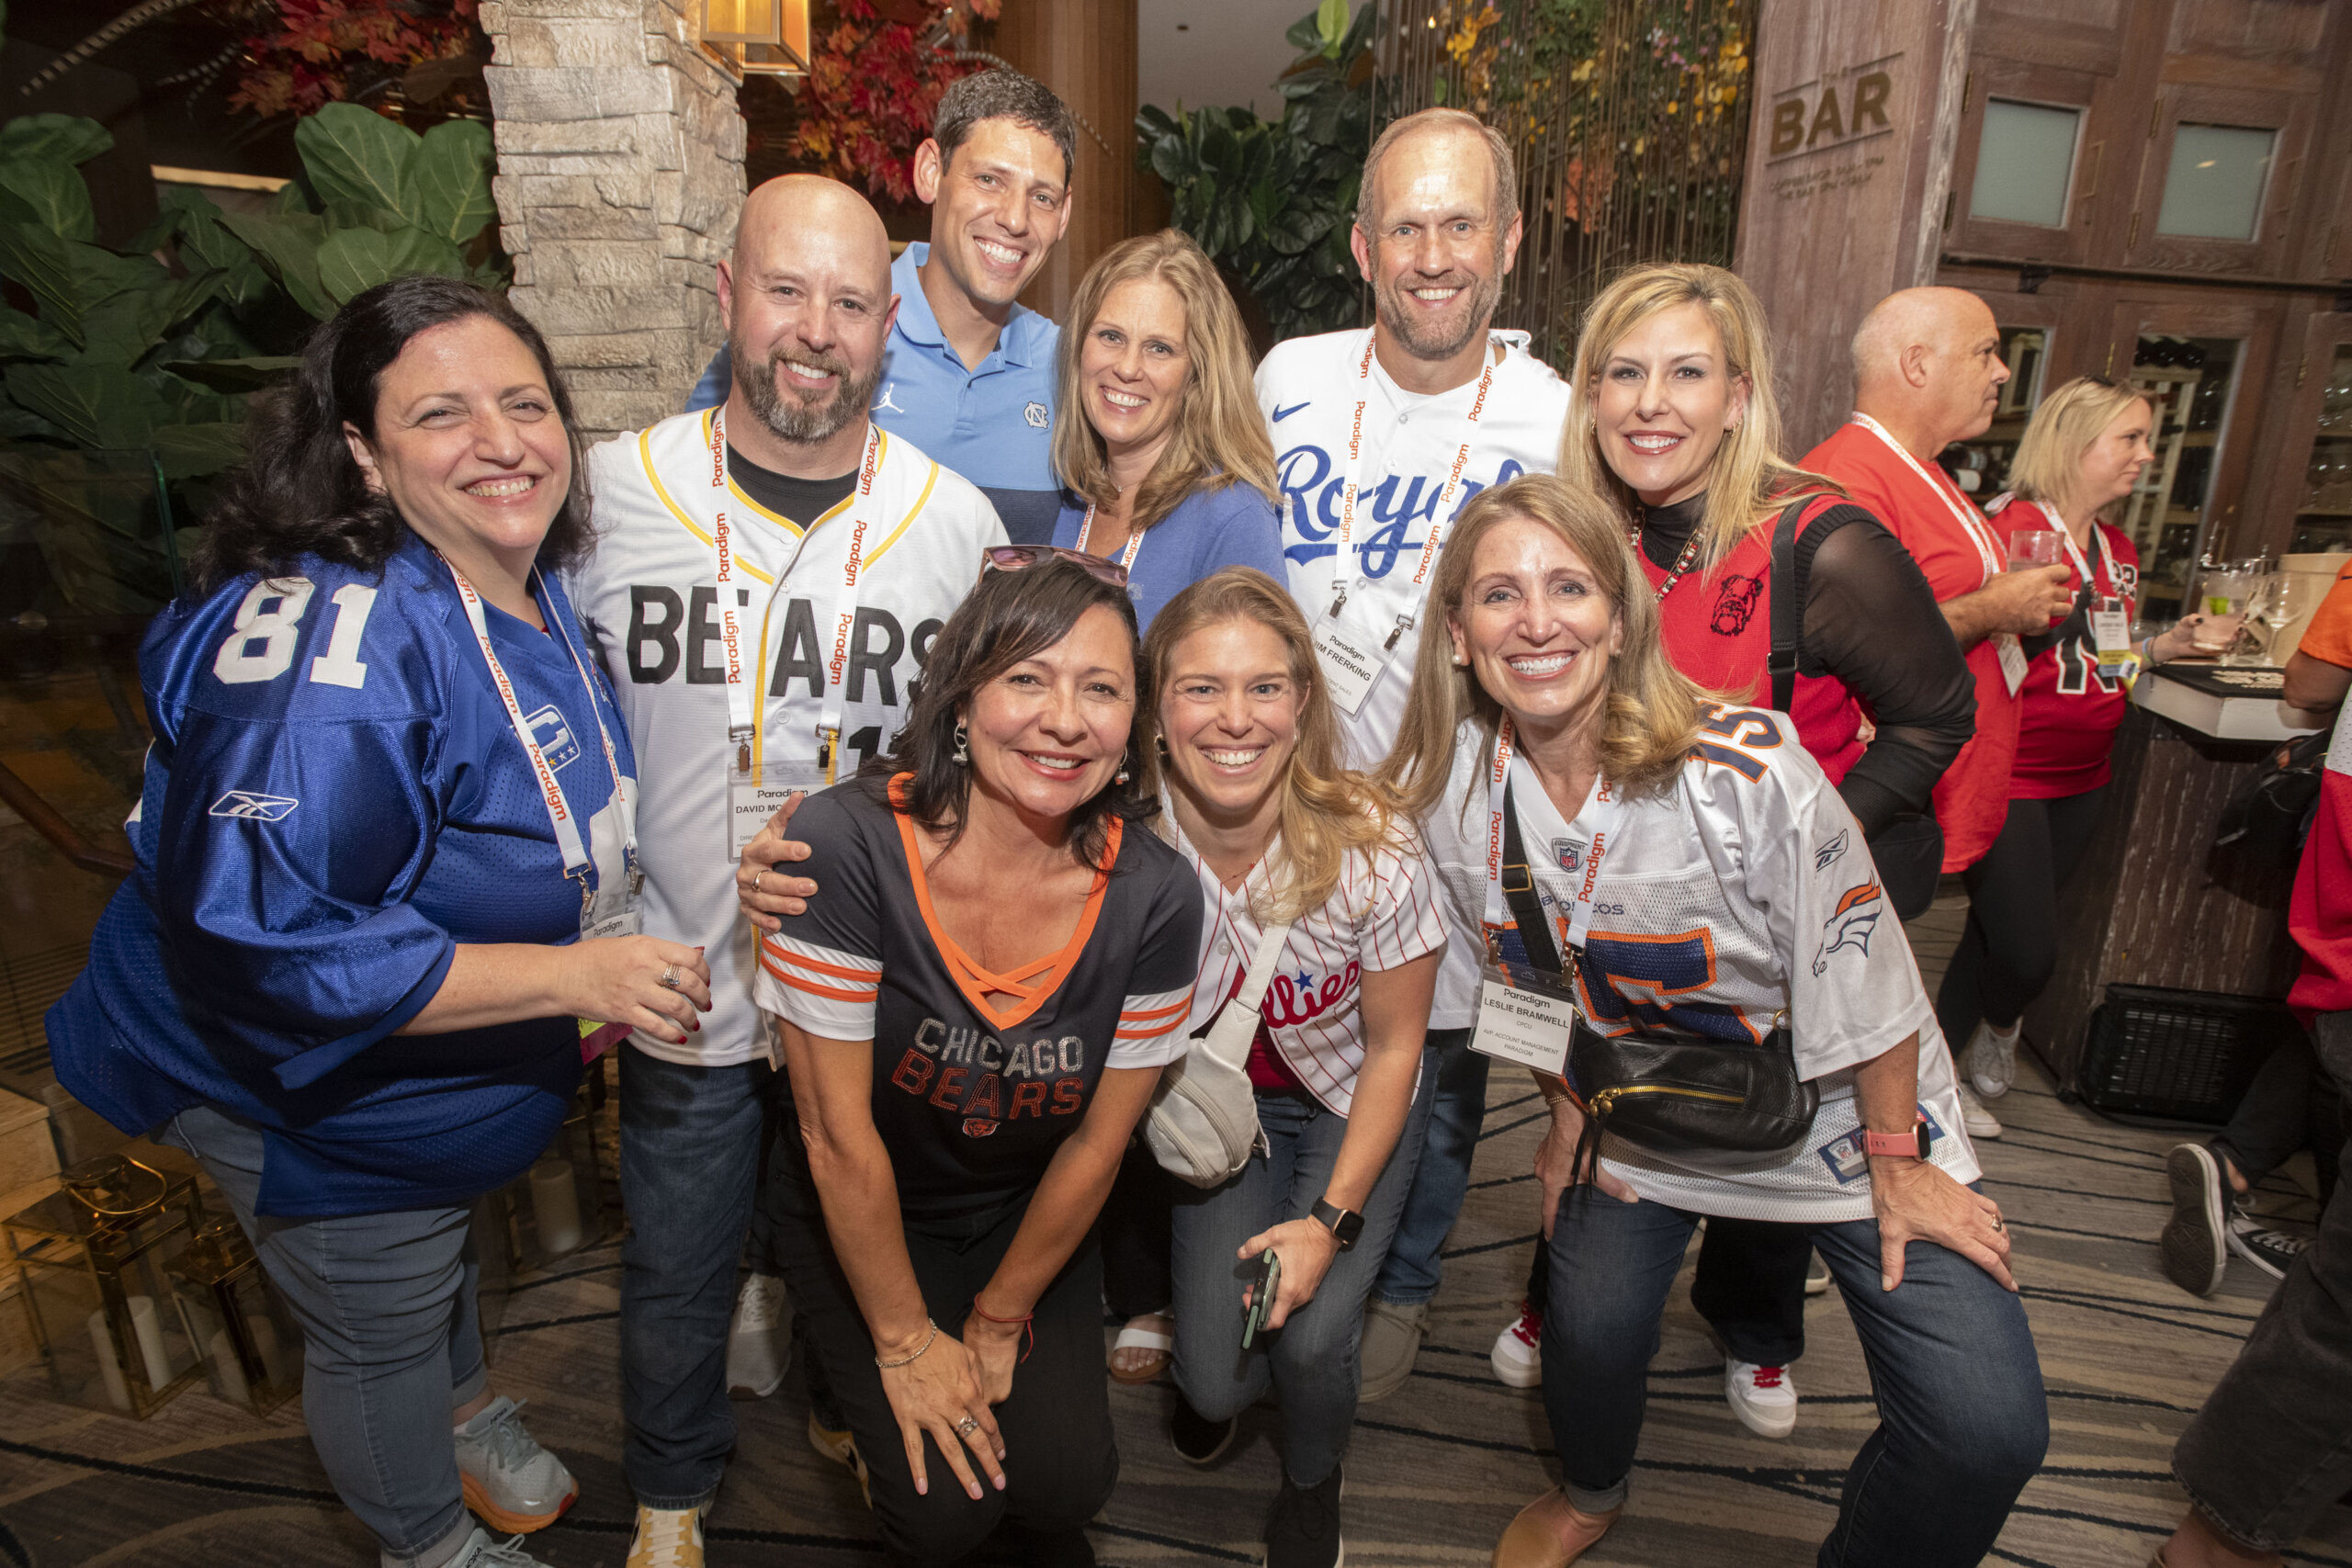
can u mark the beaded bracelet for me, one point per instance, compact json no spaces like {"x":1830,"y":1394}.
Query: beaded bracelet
{"x":903,"y":1361}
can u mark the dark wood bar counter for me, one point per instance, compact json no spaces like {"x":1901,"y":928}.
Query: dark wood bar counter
{"x":2153,"y":903}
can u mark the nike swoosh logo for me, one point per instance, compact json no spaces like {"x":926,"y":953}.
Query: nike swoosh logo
{"x":1282,"y":415}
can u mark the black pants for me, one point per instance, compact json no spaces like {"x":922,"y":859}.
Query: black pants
{"x":1136,"y":1274}
{"x":1749,"y":1286}
{"x":2272,"y":1447}
{"x":1060,"y":1457}
{"x":2009,"y":948}
{"x":2292,"y":1104}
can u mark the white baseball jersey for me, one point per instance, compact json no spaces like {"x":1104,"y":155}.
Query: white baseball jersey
{"x":1744,"y":891}
{"x":1386,"y":911}
{"x":1309,"y":388}
{"x":649,"y":597}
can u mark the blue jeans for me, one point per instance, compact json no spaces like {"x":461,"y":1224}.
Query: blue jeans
{"x":1310,"y":1362}
{"x":1963,"y":1419}
{"x":690,"y":1153}
{"x":1442,"y":1178}
{"x":391,"y":1343}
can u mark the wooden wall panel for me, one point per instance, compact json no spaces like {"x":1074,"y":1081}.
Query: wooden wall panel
{"x":1843,"y":208}
{"x":1085,"y":51}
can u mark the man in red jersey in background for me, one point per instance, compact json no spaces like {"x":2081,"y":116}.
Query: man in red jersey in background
{"x":1927,"y":372}
{"x":2272,"y":1448}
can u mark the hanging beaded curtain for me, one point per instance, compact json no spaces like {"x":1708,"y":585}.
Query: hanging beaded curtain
{"x":1629,"y":117}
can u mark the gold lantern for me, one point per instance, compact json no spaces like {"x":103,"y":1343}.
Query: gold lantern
{"x":758,"y":37}
{"x":95,"y":1258}
{"x":252,"y":1346}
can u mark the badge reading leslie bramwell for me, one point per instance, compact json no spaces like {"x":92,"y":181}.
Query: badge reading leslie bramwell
{"x":1525,"y":1019}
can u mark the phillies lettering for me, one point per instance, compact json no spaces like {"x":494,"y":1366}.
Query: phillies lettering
{"x":1288,"y":1004}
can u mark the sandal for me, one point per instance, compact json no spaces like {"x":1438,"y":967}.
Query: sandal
{"x":1160,"y":1342}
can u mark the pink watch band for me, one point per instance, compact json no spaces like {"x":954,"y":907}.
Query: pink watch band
{"x":1912,"y":1145}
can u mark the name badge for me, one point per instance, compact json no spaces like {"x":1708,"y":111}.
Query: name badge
{"x":2012,"y":657}
{"x":628,"y":922}
{"x":2111,"y":636}
{"x":1526,"y":1019}
{"x":1351,"y":662}
{"x":753,"y":803}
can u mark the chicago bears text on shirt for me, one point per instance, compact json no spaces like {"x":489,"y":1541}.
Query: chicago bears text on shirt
{"x":1311,"y":482}
{"x":964,"y":1070}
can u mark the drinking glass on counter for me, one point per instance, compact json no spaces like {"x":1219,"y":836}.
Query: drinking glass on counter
{"x":2224,"y":592}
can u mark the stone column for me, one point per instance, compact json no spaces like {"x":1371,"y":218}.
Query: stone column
{"x":620,"y":177}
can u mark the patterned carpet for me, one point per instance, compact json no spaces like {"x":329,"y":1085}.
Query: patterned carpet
{"x":1433,"y":1474}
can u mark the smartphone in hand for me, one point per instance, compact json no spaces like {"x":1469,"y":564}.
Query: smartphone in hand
{"x":1261,"y":1295}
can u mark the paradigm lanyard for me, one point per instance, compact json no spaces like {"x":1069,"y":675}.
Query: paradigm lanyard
{"x":1342,"y":563}
{"x":1967,"y":516}
{"x":1602,"y":809}
{"x":576,"y":861}
{"x":1134,"y":540}
{"x":745,"y":707}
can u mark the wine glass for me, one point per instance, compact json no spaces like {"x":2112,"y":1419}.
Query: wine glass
{"x":2286,"y":597}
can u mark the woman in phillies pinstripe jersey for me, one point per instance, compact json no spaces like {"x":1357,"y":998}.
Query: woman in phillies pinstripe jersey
{"x":1278,"y":833}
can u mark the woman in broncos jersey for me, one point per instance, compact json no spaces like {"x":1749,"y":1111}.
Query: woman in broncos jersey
{"x":1678,"y":425}
{"x":1290,"y":846}
{"x":1720,"y":888}
{"x":975,"y":1010}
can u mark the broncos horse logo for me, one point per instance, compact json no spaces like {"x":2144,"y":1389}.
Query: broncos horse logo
{"x":1851,"y":923}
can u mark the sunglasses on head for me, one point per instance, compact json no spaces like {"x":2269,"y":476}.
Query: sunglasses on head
{"x":1013,"y":557}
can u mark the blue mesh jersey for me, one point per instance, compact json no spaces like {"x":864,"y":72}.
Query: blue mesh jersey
{"x":334,"y":799}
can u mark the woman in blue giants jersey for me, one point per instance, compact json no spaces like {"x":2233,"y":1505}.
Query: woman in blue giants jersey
{"x":384,"y":850}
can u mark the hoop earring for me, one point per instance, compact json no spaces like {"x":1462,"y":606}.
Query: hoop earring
{"x":962,"y":755}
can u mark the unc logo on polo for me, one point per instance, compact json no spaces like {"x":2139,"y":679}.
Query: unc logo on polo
{"x":1039,"y":416}
{"x":1310,"y":484}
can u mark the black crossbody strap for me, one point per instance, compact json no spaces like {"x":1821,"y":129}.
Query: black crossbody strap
{"x":1788,"y":616}
{"x":1519,"y":892}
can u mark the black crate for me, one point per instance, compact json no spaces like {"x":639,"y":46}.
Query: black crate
{"x":2177,"y":1055}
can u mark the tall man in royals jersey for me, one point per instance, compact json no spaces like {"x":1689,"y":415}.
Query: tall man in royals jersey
{"x":1927,"y":372}
{"x":768,"y":578}
{"x":1381,"y":435}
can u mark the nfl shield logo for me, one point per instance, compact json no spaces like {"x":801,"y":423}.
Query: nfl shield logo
{"x":1569,"y":852}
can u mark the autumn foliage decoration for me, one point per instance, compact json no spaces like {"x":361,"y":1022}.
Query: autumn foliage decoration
{"x":874,"y":85}
{"x":318,"y":52}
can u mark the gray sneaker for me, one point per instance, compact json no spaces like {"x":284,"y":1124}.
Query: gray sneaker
{"x":1392,"y":1342}
{"x":2194,"y":1245}
{"x":509,"y":1480}
{"x":482,"y":1552}
{"x":759,"y":1339}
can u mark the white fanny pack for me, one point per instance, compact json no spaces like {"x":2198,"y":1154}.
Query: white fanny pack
{"x":1203,"y":1121}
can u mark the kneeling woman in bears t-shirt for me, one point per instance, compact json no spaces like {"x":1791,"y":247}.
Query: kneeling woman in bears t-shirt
{"x":975,"y":1010}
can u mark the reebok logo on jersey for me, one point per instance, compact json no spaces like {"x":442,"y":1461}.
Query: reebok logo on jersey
{"x":252,"y":806}
{"x":1851,"y":924}
{"x":1829,"y":852}
{"x":554,"y":736}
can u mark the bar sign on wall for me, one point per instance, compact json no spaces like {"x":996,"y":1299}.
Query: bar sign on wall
{"x":1834,"y":111}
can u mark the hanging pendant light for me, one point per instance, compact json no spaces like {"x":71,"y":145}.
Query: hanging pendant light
{"x":758,"y":37}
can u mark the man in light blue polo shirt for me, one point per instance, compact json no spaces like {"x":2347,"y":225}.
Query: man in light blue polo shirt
{"x":968,"y":375}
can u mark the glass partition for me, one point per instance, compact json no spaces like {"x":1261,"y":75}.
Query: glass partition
{"x":2215,"y":186}
{"x":2025,"y":161}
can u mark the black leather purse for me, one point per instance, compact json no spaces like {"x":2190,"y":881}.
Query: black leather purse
{"x":1704,"y":1103}
{"x":1908,"y":849}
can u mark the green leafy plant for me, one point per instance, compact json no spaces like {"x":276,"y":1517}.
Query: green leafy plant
{"x":124,"y":389}
{"x":1272,"y":200}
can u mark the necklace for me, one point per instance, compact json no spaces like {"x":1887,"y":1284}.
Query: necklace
{"x":1682,"y":562}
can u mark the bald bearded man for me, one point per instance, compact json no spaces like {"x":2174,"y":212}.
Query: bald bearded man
{"x":768,"y":578}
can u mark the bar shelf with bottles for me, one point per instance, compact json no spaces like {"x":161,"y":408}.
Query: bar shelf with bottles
{"x":2324,"y":514}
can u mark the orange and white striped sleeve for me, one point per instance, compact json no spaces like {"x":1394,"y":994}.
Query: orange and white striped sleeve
{"x":1151,"y":1029}
{"x":824,"y":990}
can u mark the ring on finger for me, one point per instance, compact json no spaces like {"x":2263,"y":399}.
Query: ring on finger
{"x":669,"y":981}
{"x":967,"y":1425}
{"x":1999,"y":1225}
{"x":755,"y":880}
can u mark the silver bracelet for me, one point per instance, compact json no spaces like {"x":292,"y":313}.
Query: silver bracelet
{"x":904,"y":1360}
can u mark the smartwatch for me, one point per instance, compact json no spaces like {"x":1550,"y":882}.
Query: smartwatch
{"x":1345,"y":1224}
{"x":1913,"y":1144}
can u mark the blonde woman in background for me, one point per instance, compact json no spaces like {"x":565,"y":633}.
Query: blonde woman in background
{"x":2085,"y":448}
{"x":1159,"y":431}
{"x":1280,"y":834}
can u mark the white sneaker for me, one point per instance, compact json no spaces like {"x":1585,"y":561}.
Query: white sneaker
{"x":759,"y":1340}
{"x":1763,"y":1398}
{"x":1981,"y":1123}
{"x":1993,"y":1061}
{"x":1518,"y":1355}
{"x":666,"y":1537}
